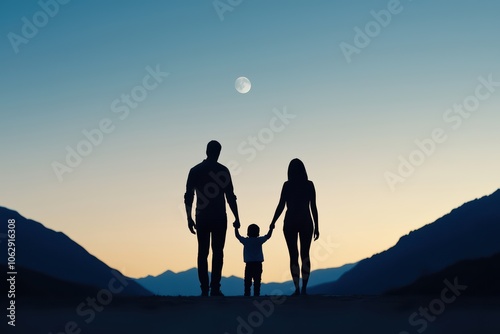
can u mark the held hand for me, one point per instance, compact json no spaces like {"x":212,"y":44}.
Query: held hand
{"x":236,"y":224}
{"x":272,"y":226}
{"x":191,"y":225}
{"x":316,"y":234}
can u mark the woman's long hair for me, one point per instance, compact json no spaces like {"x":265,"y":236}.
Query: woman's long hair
{"x":297,"y":171}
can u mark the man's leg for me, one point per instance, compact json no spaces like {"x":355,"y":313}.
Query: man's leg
{"x":203,"y":248}
{"x":218,"y":242}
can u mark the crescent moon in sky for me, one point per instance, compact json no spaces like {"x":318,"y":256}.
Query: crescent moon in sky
{"x":242,"y":85}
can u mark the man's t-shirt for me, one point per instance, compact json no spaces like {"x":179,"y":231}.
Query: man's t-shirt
{"x":210,"y":181}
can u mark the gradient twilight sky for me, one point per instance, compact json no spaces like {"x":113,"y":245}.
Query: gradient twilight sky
{"x":353,"y":120}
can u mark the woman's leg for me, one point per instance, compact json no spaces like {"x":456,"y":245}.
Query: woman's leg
{"x":291,"y":242}
{"x":305,"y":244}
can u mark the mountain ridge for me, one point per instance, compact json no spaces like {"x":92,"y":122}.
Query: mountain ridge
{"x":481,"y":276}
{"x":168,"y":283}
{"x":466,"y":232}
{"x":56,"y":255}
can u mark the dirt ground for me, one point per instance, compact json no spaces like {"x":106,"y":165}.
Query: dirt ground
{"x":266,"y":314}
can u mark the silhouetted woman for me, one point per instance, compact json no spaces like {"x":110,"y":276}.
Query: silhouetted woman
{"x":299,"y":195}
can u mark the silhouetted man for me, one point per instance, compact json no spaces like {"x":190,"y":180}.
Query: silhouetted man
{"x":211,"y":181}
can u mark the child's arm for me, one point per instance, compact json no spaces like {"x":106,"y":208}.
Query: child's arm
{"x":237,"y":234}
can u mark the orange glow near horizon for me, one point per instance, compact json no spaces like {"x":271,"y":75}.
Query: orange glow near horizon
{"x":140,"y":234}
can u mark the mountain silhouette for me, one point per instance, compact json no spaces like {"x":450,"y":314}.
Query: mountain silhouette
{"x":186,"y":283}
{"x":468,"y":232}
{"x":33,"y":284}
{"x":55,"y":255}
{"x":481,"y":276}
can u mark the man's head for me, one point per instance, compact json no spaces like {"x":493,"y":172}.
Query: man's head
{"x":213,"y":150}
{"x":253,"y":231}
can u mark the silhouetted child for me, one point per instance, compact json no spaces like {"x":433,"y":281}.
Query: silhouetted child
{"x":253,"y":256}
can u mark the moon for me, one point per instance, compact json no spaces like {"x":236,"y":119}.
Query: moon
{"x":242,"y":85}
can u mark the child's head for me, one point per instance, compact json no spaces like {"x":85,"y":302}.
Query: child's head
{"x":253,"y":231}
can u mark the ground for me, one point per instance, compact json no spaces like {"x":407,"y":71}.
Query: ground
{"x":278,"y":314}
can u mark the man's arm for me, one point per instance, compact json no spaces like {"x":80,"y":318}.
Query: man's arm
{"x":231,"y":201}
{"x":188,"y":203}
{"x":234,"y":209}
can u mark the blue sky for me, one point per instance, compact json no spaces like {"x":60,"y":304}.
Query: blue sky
{"x":352,"y":120}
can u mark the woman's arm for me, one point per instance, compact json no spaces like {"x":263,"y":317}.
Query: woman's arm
{"x":270,"y":233}
{"x":279,"y":208}
{"x":314,"y":211}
